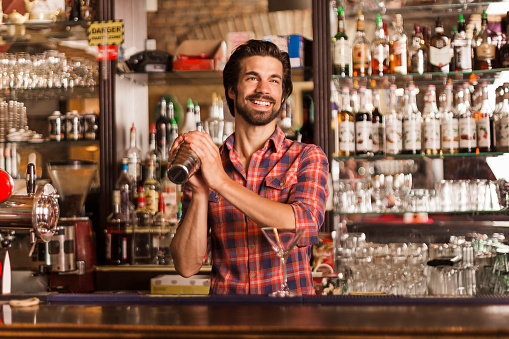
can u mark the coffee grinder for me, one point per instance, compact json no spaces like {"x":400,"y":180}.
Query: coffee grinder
{"x":71,"y":252}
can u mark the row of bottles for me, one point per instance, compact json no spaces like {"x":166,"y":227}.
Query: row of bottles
{"x":458,"y":126}
{"x":146,"y":203}
{"x":398,"y":53}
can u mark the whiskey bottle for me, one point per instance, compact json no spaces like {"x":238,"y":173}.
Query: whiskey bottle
{"x":151,"y":189}
{"x":484,"y":49}
{"x":485,"y":123}
{"x":116,"y":236}
{"x":412,"y":121}
{"x":346,"y":125}
{"x":449,"y":124}
{"x":360,"y":51}
{"x":418,"y":52}
{"x":440,"y":50}
{"x":467,"y":127}
{"x":462,"y":48}
{"x":363,"y":126}
{"x":430,"y":123}
{"x":398,"y":48}
{"x":378,"y":125}
{"x":133,"y":154}
{"x":379,"y":50}
{"x":393,"y":125}
{"x":341,"y":48}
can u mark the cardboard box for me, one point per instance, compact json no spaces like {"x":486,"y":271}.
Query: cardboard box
{"x":200,"y":55}
{"x":235,"y":39}
{"x":176,"y":284}
{"x":300,"y":51}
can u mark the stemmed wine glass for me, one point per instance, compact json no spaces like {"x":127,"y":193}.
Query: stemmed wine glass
{"x":378,"y":186}
{"x":282,"y":243}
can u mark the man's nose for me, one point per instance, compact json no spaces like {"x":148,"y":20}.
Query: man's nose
{"x":263,"y":86}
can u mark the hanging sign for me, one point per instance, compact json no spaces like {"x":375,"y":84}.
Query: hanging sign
{"x":104,"y":33}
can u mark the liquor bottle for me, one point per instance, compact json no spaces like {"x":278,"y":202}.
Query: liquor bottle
{"x":484,"y":125}
{"x":462,"y":48}
{"x":378,"y":125}
{"x":393,"y":125}
{"x":484,"y":49}
{"x":141,"y":220}
{"x":174,"y":132}
{"x":504,"y":50}
{"x":161,"y":236}
{"x":502,"y":123}
{"x":346,"y":125}
{"x":363,"y":126}
{"x":418,"y":52}
{"x":467,"y":127}
{"x":151,"y":189}
{"x":134,"y":155}
{"x":169,"y":191}
{"x":189,"y":119}
{"x":360,"y":50}
{"x":214,"y":125}
{"x":152,"y":155}
{"x":116,"y":234}
{"x":341,"y":48}
{"x":163,"y":124}
{"x":430,"y":123}
{"x":354,"y":101}
{"x":197,"y":115}
{"x":440,"y":50}
{"x":412,"y":121}
{"x":379,"y":50}
{"x":335,"y":128}
{"x":126,"y":189}
{"x":398,"y":48}
{"x":450,"y":124}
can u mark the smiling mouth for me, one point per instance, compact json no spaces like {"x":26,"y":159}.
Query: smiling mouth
{"x":261,"y":103}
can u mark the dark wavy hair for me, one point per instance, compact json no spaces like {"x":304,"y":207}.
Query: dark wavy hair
{"x":255,"y":48}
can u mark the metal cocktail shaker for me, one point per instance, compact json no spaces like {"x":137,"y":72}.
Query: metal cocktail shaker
{"x":183,"y":164}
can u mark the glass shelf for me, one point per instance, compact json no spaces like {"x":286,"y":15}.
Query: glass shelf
{"x":418,"y":156}
{"x":414,"y":8}
{"x":415,"y":212}
{"x":433,"y":78}
{"x":42,"y":32}
{"x":80,"y":92}
{"x":195,"y":77}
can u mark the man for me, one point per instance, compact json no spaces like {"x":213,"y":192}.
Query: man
{"x":258,"y":178}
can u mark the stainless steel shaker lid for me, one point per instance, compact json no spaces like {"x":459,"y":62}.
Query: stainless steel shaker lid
{"x":178,"y":174}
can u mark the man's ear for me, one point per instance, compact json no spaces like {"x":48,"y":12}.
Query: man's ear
{"x":231,"y":93}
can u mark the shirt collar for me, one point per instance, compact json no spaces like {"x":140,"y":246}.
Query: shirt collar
{"x":276,"y":140}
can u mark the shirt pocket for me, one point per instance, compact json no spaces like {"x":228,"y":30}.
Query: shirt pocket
{"x":279,"y":186}
{"x":221,"y":213}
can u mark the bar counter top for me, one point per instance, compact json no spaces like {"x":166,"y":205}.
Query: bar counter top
{"x":147,"y":316}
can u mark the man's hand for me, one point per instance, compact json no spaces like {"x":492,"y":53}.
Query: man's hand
{"x":211,"y":170}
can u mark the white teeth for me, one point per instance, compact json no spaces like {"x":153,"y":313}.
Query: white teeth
{"x":261,"y":103}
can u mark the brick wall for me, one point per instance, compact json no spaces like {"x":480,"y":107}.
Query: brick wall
{"x":175,"y":19}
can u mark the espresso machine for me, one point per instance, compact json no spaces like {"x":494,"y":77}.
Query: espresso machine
{"x":26,"y":216}
{"x":71,"y":253}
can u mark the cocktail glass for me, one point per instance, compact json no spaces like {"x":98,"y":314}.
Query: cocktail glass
{"x":282,"y":243}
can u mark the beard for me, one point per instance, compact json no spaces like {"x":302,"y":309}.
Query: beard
{"x":254,"y":117}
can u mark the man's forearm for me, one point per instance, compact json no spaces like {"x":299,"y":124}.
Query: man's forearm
{"x":263,"y":211}
{"x":189,"y":245}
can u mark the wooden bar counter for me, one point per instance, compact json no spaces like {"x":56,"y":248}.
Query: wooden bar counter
{"x":113,"y":315}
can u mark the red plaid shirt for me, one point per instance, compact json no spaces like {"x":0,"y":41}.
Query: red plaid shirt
{"x":242,"y":259}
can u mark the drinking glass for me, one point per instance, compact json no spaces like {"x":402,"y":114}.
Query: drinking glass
{"x":282,"y":243}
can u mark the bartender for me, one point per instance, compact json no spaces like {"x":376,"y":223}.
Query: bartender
{"x":256,"y":179}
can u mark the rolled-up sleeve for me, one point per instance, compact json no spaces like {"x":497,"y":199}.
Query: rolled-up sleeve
{"x":309,"y":195}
